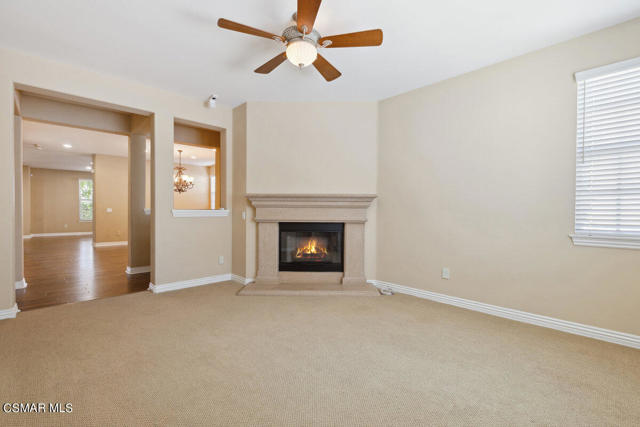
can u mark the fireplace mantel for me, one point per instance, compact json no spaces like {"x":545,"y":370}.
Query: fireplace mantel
{"x":350,"y":209}
{"x":347,"y":208}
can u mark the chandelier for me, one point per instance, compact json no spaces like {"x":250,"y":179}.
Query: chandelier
{"x":181,"y":181}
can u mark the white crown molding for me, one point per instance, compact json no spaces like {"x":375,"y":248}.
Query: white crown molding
{"x":138,"y":270}
{"x":608,"y":335}
{"x":606,"y":241}
{"x":103,"y":244}
{"x":242,"y":280}
{"x":21,"y":284}
{"x":73,"y":233}
{"x":199,"y":213}
{"x":9,"y":313}
{"x":174,"y":286}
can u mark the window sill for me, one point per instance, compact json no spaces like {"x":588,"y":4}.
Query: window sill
{"x":199,"y":213}
{"x":606,"y":241}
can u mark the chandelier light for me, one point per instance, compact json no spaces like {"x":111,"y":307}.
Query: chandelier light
{"x":181,"y":181}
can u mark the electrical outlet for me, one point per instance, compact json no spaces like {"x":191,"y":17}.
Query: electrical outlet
{"x":244,"y":214}
{"x":221,"y":260}
{"x":109,"y":210}
{"x":445,"y":273}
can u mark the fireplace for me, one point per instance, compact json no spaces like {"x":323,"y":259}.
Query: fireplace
{"x":311,"y":246}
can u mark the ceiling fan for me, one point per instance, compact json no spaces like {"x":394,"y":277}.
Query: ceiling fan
{"x":303,"y":41}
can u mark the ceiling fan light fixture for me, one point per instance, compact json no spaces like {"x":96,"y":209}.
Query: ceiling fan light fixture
{"x":301,"y":53}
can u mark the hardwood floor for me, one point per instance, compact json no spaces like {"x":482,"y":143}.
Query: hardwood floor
{"x":61,"y":270}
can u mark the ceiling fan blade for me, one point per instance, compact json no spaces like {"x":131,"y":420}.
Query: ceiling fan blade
{"x":234,"y":26}
{"x":269,"y":66}
{"x":306,"y":15}
{"x":328,"y":71}
{"x":359,"y":39}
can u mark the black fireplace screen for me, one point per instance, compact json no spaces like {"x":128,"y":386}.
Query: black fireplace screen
{"x":311,"y":246}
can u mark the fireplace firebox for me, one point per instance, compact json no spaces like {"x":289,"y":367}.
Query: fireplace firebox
{"x":311,"y":246}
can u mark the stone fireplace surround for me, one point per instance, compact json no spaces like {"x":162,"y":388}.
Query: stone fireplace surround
{"x":271,"y":209}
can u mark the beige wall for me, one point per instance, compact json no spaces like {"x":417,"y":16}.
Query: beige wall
{"x":111,"y":192}
{"x":316,"y":148}
{"x":147,"y":185}
{"x":55,"y":201}
{"x":199,"y":197}
{"x":477,"y":174}
{"x":240,"y":203}
{"x":311,"y":147}
{"x":139,"y":225}
{"x":197,"y":241}
{"x":26,"y":200}
{"x":196,"y":135}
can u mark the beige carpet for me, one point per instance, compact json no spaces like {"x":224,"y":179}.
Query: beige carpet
{"x":204,"y":356}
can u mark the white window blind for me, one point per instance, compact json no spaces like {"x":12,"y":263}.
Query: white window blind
{"x":608,"y":155}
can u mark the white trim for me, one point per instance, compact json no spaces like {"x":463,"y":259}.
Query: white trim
{"x":73,"y":233}
{"x":606,"y":241}
{"x":242,"y":280}
{"x":27,"y":236}
{"x":103,"y":244}
{"x":138,"y":270}
{"x":198,"y":213}
{"x":608,"y":335}
{"x":174,"y":286}
{"x":9,"y":313}
{"x":607,"y":69}
{"x":21,"y":284}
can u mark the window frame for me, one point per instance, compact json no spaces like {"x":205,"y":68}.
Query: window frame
{"x":81,"y":199}
{"x":596,"y":239}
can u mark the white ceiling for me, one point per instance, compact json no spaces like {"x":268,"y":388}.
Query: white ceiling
{"x":84,"y":143}
{"x":176,"y":44}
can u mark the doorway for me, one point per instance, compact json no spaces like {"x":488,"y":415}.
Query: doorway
{"x":77,"y":201}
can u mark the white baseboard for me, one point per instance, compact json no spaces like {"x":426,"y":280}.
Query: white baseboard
{"x":72,"y":233}
{"x":174,"y":286}
{"x":138,"y":270}
{"x":21,"y":284}
{"x":9,"y":313}
{"x":104,"y":244}
{"x":242,"y":280}
{"x":608,"y":335}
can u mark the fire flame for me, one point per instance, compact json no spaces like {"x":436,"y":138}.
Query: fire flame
{"x":311,"y":250}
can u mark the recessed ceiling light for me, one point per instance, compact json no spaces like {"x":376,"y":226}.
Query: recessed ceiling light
{"x":193,"y":157}
{"x":67,"y":146}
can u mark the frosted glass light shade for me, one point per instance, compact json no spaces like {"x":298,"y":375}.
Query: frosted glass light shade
{"x":301,"y":53}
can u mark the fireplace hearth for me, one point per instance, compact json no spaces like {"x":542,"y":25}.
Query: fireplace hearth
{"x":311,"y":246}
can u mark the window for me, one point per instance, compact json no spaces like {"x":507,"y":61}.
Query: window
{"x":86,"y":199}
{"x":607,"y":204}
{"x":198,"y":187}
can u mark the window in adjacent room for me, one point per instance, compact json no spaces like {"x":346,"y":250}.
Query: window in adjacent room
{"x":607,"y":203}
{"x":86,"y":199}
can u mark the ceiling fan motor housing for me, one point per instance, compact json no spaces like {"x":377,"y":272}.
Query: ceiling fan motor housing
{"x":291,"y":33}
